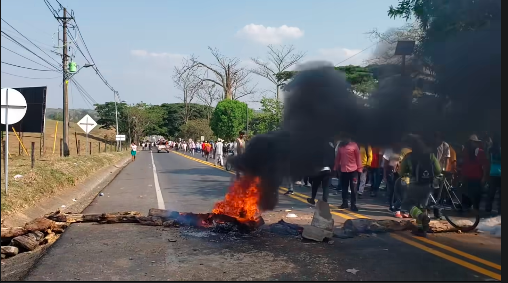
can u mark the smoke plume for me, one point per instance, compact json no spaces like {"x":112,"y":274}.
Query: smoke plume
{"x":318,"y":106}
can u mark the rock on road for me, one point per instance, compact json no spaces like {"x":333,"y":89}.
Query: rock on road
{"x":135,"y":252}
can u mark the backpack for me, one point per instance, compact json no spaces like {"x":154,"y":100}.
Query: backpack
{"x":424,"y":171}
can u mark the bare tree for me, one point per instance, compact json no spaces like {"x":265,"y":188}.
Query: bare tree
{"x":208,"y":95}
{"x":186,"y":79}
{"x":279,"y":60}
{"x":225,"y":72}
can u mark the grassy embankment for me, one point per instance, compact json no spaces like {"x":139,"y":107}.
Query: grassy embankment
{"x":52,"y":173}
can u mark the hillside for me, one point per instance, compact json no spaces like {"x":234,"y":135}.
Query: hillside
{"x":74,"y":114}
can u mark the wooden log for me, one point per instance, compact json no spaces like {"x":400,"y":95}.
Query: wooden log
{"x":25,"y":242}
{"x":39,"y":224}
{"x":163,"y":213}
{"x":10,"y":250}
{"x":111,"y":219}
{"x":73,"y":217}
{"x":13,"y":232}
{"x":150,"y":220}
{"x":50,"y":238}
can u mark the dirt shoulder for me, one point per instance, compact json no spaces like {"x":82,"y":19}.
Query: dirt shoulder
{"x":48,"y":185}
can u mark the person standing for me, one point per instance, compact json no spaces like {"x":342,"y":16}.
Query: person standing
{"x":323,"y":178}
{"x":207,"y":150}
{"x":375,"y":172}
{"x":134,"y":149}
{"x":349,"y":163}
{"x":474,"y":172}
{"x":443,"y":151}
{"x":219,"y":153}
{"x":494,"y":155}
{"x":366,"y":157}
{"x":239,"y":147}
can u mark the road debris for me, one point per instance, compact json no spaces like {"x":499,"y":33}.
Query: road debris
{"x":16,"y":177}
{"x":291,"y":215}
{"x":322,"y":224}
{"x":352,"y":270}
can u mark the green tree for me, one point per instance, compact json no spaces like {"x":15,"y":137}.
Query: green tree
{"x":361,"y":78}
{"x":271,"y":117}
{"x":195,"y":129}
{"x":106,"y":113}
{"x":228,"y":118}
{"x":140,"y":117}
{"x":175,"y":116}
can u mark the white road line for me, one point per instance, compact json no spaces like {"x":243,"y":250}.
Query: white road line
{"x":158,"y":192}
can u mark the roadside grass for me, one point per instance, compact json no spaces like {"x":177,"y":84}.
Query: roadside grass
{"x":51,"y":174}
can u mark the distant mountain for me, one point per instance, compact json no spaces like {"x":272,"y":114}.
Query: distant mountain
{"x":74,"y":114}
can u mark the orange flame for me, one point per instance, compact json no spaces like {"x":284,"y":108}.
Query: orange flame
{"x":241,"y":202}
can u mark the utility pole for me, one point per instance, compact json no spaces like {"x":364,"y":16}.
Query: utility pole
{"x":115,"y":94}
{"x":65,"y":125}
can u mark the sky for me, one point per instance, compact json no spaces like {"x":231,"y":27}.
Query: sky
{"x":137,"y":44}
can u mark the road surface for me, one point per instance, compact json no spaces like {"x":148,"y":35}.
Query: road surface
{"x":178,"y":182}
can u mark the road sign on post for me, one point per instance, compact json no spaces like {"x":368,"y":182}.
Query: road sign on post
{"x":119,"y":139}
{"x":13,"y":110}
{"x":87,"y":124}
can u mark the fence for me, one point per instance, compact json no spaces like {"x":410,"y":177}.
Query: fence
{"x":34,"y":146}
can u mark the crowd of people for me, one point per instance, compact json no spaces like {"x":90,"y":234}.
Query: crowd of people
{"x":210,"y":149}
{"x":411,"y":172}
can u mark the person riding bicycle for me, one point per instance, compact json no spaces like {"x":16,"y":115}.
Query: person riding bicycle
{"x":418,"y":171}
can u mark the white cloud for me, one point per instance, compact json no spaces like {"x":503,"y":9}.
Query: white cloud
{"x":269,"y":35}
{"x":146,"y":54}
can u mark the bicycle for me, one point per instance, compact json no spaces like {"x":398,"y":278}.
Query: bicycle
{"x":448,"y":204}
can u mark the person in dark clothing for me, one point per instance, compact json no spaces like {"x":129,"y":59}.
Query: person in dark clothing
{"x":474,"y":172}
{"x":494,"y":156}
{"x":323,"y":178}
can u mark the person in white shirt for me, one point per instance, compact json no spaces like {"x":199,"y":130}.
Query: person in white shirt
{"x":219,"y":152}
{"x":134,"y":148}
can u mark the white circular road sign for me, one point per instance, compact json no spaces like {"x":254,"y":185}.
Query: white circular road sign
{"x":15,"y":102}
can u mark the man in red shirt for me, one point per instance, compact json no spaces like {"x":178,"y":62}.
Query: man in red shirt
{"x":474,"y":172}
{"x":349,"y":163}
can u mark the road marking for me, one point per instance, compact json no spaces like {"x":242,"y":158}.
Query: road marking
{"x":461,"y":253}
{"x":282,"y":190}
{"x":158,"y":192}
{"x":449,"y":258}
{"x":301,"y":197}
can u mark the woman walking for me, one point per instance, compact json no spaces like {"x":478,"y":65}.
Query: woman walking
{"x":134,"y":148}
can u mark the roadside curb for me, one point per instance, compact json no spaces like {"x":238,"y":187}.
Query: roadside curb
{"x":83,"y":193}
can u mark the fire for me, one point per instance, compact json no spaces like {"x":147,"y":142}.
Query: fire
{"x":241,"y":202}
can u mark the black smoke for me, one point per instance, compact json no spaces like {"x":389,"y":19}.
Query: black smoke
{"x":318,"y":106}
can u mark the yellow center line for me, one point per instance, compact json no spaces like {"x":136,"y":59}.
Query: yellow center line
{"x":282,"y":190}
{"x":449,"y":258}
{"x":461,"y":253}
{"x":302,"y":198}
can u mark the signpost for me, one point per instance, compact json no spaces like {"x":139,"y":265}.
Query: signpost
{"x":120,"y":138}
{"x":13,"y":110}
{"x":87,"y":124}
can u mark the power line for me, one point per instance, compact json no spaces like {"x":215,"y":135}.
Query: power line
{"x":25,"y":57}
{"x":47,"y":70}
{"x":83,"y":96}
{"x":30,"y":41}
{"x":356,"y":54}
{"x":20,"y":44}
{"x":29,"y":77}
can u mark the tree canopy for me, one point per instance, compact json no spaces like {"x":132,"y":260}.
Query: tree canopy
{"x":229,"y":118}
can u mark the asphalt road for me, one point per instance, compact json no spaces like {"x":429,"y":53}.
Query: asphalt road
{"x":135,"y":252}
